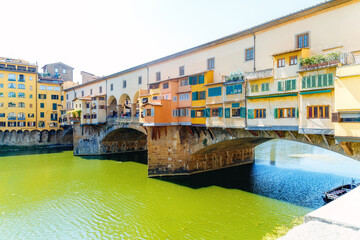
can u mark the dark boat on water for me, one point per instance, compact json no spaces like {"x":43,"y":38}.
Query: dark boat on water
{"x":335,"y":193}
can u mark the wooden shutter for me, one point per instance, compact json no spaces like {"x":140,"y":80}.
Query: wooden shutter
{"x":276,"y":113}
{"x":297,"y":112}
{"x":330,"y":79}
{"x":220,"y":112}
{"x":192,"y":113}
{"x":280,"y":87}
{"x":313,"y":81}
{"x":242,"y":112}
{"x":195,"y":96}
{"x":250,"y":113}
{"x":201,"y":79}
{"x":227,"y":112}
{"x":320,"y":81}
{"x":303,"y":82}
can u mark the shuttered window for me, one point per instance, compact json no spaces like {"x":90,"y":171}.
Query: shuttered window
{"x":201,"y":79}
{"x":213,"y":92}
{"x":227,"y":112}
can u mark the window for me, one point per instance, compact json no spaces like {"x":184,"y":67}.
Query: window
{"x":174,"y":98}
{"x":181,"y":71}
{"x":30,"y":78}
{"x":1,"y":104}
{"x":193,"y":80}
{"x":74,"y":94}
{"x":1,"y":75}
{"x":55,"y":97}
{"x":12,"y":116}
{"x":21,"y":95}
{"x":12,"y":124}
{"x":41,"y":124}
{"x":2,"y":114}
{"x":233,"y":89}
{"x":21,"y":78}
{"x":11,"y":104}
{"x":67,"y":95}
{"x":50,"y":88}
{"x":216,"y":112}
{"x":31,"y":115}
{"x":53,"y":117}
{"x":22,"y":86}
{"x":184,"y":96}
{"x":1,"y":94}
{"x":183,"y":112}
{"x":265,"y":87}
{"x":254,"y":88}
{"x":30,"y":96}
{"x":293,"y":60}
{"x":42,"y":114}
{"x":111,"y":87}
{"x":64,"y":70}
{"x":290,"y":85}
{"x":184,"y":82}
{"x":42,"y":96}
{"x":21,"y":105}
{"x":12,"y":77}
{"x":260,"y":113}
{"x":82,"y":93}
{"x":1,"y":85}
{"x":30,"y":105}
{"x":42,"y":87}
{"x":100,"y":90}
{"x":140,"y":80}
{"x":124,"y":83}
{"x":202,"y":95}
{"x":165,"y":85}
{"x":213,"y":92}
{"x":11,"y":94}
{"x":284,"y":113}
{"x":42,"y":105}
{"x":57,"y":89}
{"x":158,"y":76}
{"x":21,"y":116}
{"x":249,"y":54}
{"x":54,"y":106}
{"x":302,"y":40}
{"x":281,"y":62}
{"x":22,"y":124}
{"x":56,"y":70}
{"x":199,"y":113}
{"x":211,"y":63}
{"x":175,"y":113}
{"x":318,"y":112}
{"x":11,"y":85}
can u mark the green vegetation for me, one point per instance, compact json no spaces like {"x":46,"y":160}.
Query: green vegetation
{"x":234,"y":77}
{"x":318,"y":59}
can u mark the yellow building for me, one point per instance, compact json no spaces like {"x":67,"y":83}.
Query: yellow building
{"x":18,"y":80}
{"x":49,"y":104}
{"x":346,"y":117}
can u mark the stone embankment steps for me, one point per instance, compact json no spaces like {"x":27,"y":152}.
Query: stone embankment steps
{"x":336,"y":220}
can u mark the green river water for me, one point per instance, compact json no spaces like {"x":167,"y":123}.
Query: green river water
{"x":60,"y":196}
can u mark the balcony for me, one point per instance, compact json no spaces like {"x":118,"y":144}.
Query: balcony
{"x":329,"y":60}
{"x":11,"y":118}
{"x":266,"y":73}
{"x":21,"y":118}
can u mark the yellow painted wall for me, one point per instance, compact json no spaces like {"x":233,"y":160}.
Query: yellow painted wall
{"x":347,"y":88}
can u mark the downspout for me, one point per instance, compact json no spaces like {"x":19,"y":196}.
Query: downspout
{"x":106,"y":109}
{"x":254,"y":48}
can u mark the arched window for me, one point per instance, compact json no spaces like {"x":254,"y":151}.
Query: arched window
{"x":21,"y":78}
{"x":21,"y":86}
{"x":12,"y":77}
{"x":21,"y":104}
{"x":11,"y":85}
{"x":11,"y":94}
{"x":11,"y":104}
{"x":21,"y":95}
{"x":12,"y":116}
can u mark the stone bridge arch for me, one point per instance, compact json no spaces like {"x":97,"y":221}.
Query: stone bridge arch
{"x":184,"y":150}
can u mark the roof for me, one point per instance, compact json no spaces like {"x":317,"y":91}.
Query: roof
{"x":269,"y":24}
{"x":288,"y":51}
{"x":57,"y":63}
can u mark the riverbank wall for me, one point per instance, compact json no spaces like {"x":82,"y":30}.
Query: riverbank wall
{"x":338,"y":220}
{"x":27,"y":140}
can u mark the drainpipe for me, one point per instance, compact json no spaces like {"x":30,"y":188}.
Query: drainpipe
{"x":106,"y":108}
{"x":254,"y":48}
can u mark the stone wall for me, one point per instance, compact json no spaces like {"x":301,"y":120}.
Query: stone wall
{"x":34,"y":139}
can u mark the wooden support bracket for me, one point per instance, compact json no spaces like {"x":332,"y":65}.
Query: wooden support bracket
{"x":266,"y":133}
{"x":347,"y":148}
{"x":325,"y":140}
{"x":253,"y":133}
{"x":211,"y":134}
{"x":197,"y":132}
{"x":292,"y":135}
{"x":308,"y":138}
{"x":280,"y":134}
{"x":228,"y":130}
{"x":189,"y":129}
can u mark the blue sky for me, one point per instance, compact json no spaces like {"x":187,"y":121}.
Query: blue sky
{"x":103,"y":37}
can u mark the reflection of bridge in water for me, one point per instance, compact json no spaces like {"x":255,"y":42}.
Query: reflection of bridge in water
{"x":184,"y":150}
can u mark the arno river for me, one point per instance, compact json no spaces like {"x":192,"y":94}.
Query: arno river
{"x":55,"y":195}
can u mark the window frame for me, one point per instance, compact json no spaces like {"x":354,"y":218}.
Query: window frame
{"x":210,"y":63}
{"x":249,"y":54}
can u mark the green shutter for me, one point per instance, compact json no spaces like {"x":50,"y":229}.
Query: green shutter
{"x":275,"y":113}
{"x":204,"y":113}
{"x":238,"y":88}
{"x":297,"y":112}
{"x":303,"y":83}
{"x":195,"y":96}
{"x":313,"y":81}
{"x":201,"y":79}
{"x":325,"y":80}
{"x":263,"y":87}
{"x":308,"y":82}
{"x":287,"y":85}
{"x":242,"y":112}
{"x":320,"y":81}
{"x":235,"y":105}
{"x":229,"y":90}
{"x":280,"y":86}
{"x":192,"y":113}
{"x":330,"y":79}
{"x":220,"y":112}
{"x":208,"y":112}
{"x":227,"y":112}
{"x":293,"y":84}
{"x":250,"y":113}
